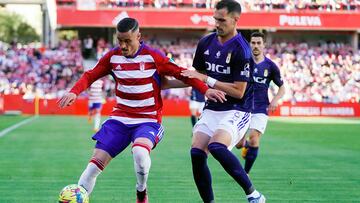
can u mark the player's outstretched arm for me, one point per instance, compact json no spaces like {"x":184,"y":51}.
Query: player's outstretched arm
{"x":172,"y":83}
{"x":67,"y":100}
{"x":236,"y":89}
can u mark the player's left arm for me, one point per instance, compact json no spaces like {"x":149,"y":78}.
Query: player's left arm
{"x":167,"y":83}
{"x":167,"y":67}
{"x":276,"y":77}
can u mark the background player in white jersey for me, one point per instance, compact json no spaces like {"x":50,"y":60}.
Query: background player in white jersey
{"x":225,"y":57}
{"x":264,"y":71}
{"x":137,"y":70}
{"x":96,"y":99}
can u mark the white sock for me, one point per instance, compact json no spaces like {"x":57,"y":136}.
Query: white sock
{"x":97,"y":120}
{"x":142,"y":163}
{"x":88,"y":177}
{"x":254,"y":194}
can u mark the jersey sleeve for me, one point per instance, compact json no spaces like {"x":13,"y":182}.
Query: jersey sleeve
{"x":101,"y":69}
{"x":276,"y":76}
{"x":199,"y":61}
{"x":241,"y":66}
{"x":166,"y":67}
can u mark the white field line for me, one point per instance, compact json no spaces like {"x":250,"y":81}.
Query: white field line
{"x":17,"y":125}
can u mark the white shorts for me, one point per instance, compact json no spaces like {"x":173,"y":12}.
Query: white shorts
{"x":196,"y":105}
{"x":259,"y":122}
{"x":233,"y":121}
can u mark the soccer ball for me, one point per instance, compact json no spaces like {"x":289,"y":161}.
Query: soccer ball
{"x":73,"y":194}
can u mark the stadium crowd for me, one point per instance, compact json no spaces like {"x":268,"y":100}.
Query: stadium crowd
{"x":249,"y":5}
{"x":328,"y":72}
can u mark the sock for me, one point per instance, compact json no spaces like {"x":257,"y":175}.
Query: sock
{"x":142,"y":163}
{"x":231,"y":165}
{"x":88,"y":177}
{"x":97,"y":120}
{"x":202,"y":175}
{"x":193,"y":120}
{"x":250,"y":158}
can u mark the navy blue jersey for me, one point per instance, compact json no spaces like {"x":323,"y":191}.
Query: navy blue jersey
{"x":197,"y":96}
{"x":263,"y":73}
{"x":228,"y":62}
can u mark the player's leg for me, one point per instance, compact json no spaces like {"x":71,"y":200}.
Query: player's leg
{"x":145,"y":137}
{"x":201,"y":172}
{"x":252,"y":149}
{"x":112,"y":138}
{"x":90,"y":112}
{"x":257,"y":128}
{"x":96,"y":165}
{"x":193,"y":111}
{"x":229,"y":131}
{"x":97,"y":117}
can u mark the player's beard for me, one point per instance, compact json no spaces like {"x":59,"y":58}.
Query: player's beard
{"x":220,"y":32}
{"x":256,"y":52}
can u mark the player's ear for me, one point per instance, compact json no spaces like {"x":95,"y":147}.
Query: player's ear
{"x":139,"y":36}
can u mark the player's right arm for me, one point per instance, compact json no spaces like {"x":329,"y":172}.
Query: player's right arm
{"x":101,"y":69}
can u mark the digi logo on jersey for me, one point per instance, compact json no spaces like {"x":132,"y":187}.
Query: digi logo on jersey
{"x":217,"y":68}
{"x":259,"y":80}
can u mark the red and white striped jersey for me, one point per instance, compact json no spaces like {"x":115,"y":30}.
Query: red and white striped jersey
{"x":96,"y":92}
{"x":138,"y":83}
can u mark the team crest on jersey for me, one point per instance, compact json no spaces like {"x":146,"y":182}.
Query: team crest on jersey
{"x":266,"y":73}
{"x":207,"y":52}
{"x":142,"y":66}
{"x":255,"y":70}
{"x":228,"y":58}
{"x":218,"y":54}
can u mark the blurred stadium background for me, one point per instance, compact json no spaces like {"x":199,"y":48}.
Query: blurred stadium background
{"x":310,"y":152}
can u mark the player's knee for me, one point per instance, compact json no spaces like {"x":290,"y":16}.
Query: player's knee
{"x":140,"y":155}
{"x":254,"y":139}
{"x":216,"y":146}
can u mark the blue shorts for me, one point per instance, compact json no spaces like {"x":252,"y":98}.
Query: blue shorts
{"x":93,"y":106}
{"x":114,"y":136}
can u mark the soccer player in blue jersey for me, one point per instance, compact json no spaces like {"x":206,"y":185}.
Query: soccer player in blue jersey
{"x":196,"y":105}
{"x":264,"y":71}
{"x":224,"y":56}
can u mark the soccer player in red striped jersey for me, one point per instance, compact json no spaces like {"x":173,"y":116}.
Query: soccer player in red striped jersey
{"x":136,"y":118}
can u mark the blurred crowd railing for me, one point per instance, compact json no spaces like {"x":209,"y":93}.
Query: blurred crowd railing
{"x":248,"y":5}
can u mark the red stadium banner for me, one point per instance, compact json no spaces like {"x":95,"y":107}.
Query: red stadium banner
{"x":152,"y":18}
{"x":176,"y":108}
{"x":345,"y":109}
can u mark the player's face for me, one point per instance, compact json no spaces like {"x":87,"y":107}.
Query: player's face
{"x":225,"y":23}
{"x":129,"y":42}
{"x":257,"y":45}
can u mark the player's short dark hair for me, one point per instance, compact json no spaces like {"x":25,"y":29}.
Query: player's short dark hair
{"x":127,"y":24}
{"x":258,"y":34}
{"x":232,"y":6}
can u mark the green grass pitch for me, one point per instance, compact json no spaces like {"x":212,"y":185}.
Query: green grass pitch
{"x":301,"y":160}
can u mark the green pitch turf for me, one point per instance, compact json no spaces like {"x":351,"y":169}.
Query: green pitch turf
{"x":301,"y":160}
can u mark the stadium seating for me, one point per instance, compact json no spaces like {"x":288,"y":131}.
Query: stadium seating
{"x":326,"y":73}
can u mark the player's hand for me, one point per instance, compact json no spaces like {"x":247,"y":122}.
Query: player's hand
{"x":215,"y":95}
{"x":67,"y":100}
{"x":272,"y":106}
{"x":194,"y":74}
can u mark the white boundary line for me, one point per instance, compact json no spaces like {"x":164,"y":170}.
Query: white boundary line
{"x":13,"y":127}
